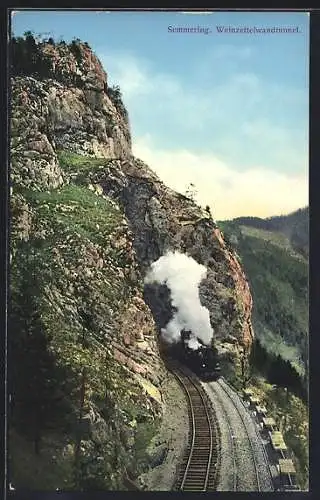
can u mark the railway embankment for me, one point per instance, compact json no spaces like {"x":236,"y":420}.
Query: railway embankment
{"x":167,"y":448}
{"x":243,"y":456}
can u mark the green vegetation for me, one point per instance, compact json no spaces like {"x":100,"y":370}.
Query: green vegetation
{"x":146,"y":430}
{"x":291,"y":416}
{"x":72,"y":403}
{"x":276,"y":370}
{"x":80,"y":169}
{"x":273,"y":253}
{"x":278,"y":239}
{"x":278,"y":279}
{"x":115,"y":95}
{"x":75,"y":49}
{"x":70,"y":399}
{"x":27,"y":58}
{"x":294,"y":226}
{"x":75,"y":209}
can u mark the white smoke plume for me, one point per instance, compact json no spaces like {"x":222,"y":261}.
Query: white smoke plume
{"x":182,"y":275}
{"x":193,"y":343}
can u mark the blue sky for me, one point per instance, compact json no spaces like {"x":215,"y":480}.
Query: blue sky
{"x":226,"y":111}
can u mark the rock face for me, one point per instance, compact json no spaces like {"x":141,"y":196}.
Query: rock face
{"x":77,"y":311}
{"x":163,"y":220}
{"x":87,"y":221}
{"x":66,"y":107}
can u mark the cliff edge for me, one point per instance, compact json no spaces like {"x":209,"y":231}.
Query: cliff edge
{"x":87,"y":220}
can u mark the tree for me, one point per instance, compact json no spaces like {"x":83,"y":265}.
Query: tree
{"x":36,"y":385}
{"x":246,"y":371}
{"x":208,"y":210}
{"x":191,"y":192}
{"x":29,"y":35}
{"x":257,"y":355}
{"x":114,"y":93}
{"x":75,"y":49}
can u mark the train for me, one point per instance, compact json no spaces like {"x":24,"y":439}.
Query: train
{"x":203,"y":361}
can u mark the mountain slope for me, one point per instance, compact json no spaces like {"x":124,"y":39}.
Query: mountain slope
{"x":87,"y":219}
{"x":277,"y":269}
{"x":294,"y":227}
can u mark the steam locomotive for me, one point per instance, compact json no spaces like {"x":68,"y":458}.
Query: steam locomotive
{"x":203,"y":361}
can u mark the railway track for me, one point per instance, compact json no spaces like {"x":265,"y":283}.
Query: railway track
{"x":244,"y":459}
{"x":251,"y":447}
{"x":199,"y":469}
{"x":230,"y":479}
{"x":256,"y":444}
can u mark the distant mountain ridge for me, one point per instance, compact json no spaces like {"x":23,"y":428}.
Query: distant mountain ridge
{"x":295,"y":226}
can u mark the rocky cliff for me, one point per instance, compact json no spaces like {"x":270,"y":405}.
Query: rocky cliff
{"x":87,"y":221}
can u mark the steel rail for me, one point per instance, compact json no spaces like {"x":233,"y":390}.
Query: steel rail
{"x":193,"y":425}
{"x":211,"y":437}
{"x":232,"y":443}
{"x":263,"y":446}
{"x":249,"y":438}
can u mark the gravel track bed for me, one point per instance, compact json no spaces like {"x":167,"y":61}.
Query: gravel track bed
{"x":228,"y":467}
{"x":241,"y":452}
{"x":261,"y":459}
{"x":238,"y":440}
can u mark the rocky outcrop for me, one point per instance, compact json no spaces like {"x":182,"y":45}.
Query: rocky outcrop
{"x":88,"y":219}
{"x":163,"y":220}
{"x":77,"y":309}
{"x":67,"y":106}
{"x":70,"y":110}
{"x":34,"y":162}
{"x":138,"y":348}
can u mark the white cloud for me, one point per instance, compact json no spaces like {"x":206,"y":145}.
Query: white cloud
{"x":239,"y":98}
{"x":144,"y":90}
{"x":229,"y":192}
{"x":136,"y":78}
{"x":188,"y":107}
{"x":239,"y":118}
{"x":125,"y":71}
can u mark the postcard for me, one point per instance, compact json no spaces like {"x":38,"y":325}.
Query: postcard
{"x":159,"y":243}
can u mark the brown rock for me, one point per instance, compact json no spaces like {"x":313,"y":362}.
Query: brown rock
{"x":142,"y":345}
{"x":139,"y":369}
{"x":126,"y":339}
{"x":139,"y":336}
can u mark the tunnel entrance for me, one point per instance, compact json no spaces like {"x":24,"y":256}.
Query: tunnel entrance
{"x":158,"y":298}
{"x":188,"y":350}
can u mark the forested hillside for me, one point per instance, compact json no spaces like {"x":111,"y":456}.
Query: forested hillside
{"x":274,"y":255}
{"x":294,"y":226}
{"x":278,"y":276}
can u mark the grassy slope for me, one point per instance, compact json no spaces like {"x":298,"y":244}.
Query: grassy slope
{"x":275,"y":238}
{"x":66,"y":295}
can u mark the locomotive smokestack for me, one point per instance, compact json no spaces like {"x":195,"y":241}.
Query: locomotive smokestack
{"x":182,"y":275}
